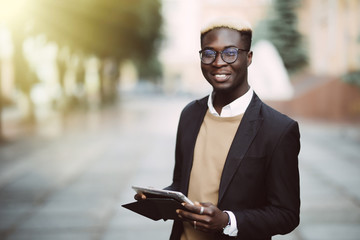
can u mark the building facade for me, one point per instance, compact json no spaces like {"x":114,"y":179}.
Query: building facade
{"x":331,"y":30}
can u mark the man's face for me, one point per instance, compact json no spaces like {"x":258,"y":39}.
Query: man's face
{"x":226,"y":78}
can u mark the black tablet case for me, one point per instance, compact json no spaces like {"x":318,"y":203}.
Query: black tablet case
{"x":156,"y":208}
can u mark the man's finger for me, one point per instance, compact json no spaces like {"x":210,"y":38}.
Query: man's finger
{"x":198,"y":209}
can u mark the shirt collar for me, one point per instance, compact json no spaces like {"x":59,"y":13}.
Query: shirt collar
{"x":236,"y":107}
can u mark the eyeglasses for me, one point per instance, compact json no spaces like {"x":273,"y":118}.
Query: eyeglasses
{"x":228,"y":55}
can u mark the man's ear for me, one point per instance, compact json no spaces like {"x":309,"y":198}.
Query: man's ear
{"x":249,"y":58}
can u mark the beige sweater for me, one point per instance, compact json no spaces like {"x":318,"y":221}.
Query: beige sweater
{"x":211,"y":149}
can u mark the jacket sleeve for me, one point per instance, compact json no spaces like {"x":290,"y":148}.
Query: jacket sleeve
{"x":176,"y":181}
{"x":280,"y":215}
{"x":184,"y":117}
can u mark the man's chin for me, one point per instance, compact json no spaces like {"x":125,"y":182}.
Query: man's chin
{"x":221,"y":88}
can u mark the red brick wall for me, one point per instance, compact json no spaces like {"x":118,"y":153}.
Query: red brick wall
{"x":328,"y":99}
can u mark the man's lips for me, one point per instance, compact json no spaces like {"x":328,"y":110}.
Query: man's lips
{"x":221,"y":77}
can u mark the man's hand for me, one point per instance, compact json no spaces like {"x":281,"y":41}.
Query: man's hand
{"x":204,"y":216}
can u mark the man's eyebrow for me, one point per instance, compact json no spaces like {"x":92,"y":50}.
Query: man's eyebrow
{"x":229,"y":46}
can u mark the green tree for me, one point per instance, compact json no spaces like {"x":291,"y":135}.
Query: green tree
{"x":112,"y":30}
{"x":109,"y":29}
{"x":353,"y":75}
{"x":10,"y":15}
{"x":280,"y":28}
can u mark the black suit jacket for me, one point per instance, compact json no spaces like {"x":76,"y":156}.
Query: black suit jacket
{"x":260,"y":179}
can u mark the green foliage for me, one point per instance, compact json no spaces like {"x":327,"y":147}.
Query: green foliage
{"x":150,"y":69}
{"x":108,"y":28}
{"x":280,"y":28}
{"x":352,"y":78}
{"x":118,"y":29}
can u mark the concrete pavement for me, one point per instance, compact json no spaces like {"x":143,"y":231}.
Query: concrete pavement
{"x":69,"y":179}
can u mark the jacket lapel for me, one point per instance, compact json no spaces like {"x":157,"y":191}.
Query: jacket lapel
{"x":244,"y":136}
{"x":192,"y":131}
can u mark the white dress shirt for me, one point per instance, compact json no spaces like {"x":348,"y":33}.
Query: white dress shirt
{"x":236,"y":107}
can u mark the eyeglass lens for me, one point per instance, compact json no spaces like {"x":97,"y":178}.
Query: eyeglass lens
{"x":228,"y":55}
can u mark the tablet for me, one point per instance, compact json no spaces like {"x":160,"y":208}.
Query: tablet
{"x":179,"y":196}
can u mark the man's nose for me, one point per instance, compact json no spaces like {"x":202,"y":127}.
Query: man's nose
{"x":219,"y":61}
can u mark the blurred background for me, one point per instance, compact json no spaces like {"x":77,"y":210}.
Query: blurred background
{"x":91,"y":92}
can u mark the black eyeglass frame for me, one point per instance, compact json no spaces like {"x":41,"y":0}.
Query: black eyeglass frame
{"x":221,"y":54}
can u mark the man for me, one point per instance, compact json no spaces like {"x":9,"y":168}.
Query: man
{"x":236,"y":157}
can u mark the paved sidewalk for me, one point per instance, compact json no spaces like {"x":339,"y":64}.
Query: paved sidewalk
{"x":330,"y":180}
{"x":69,"y":180}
